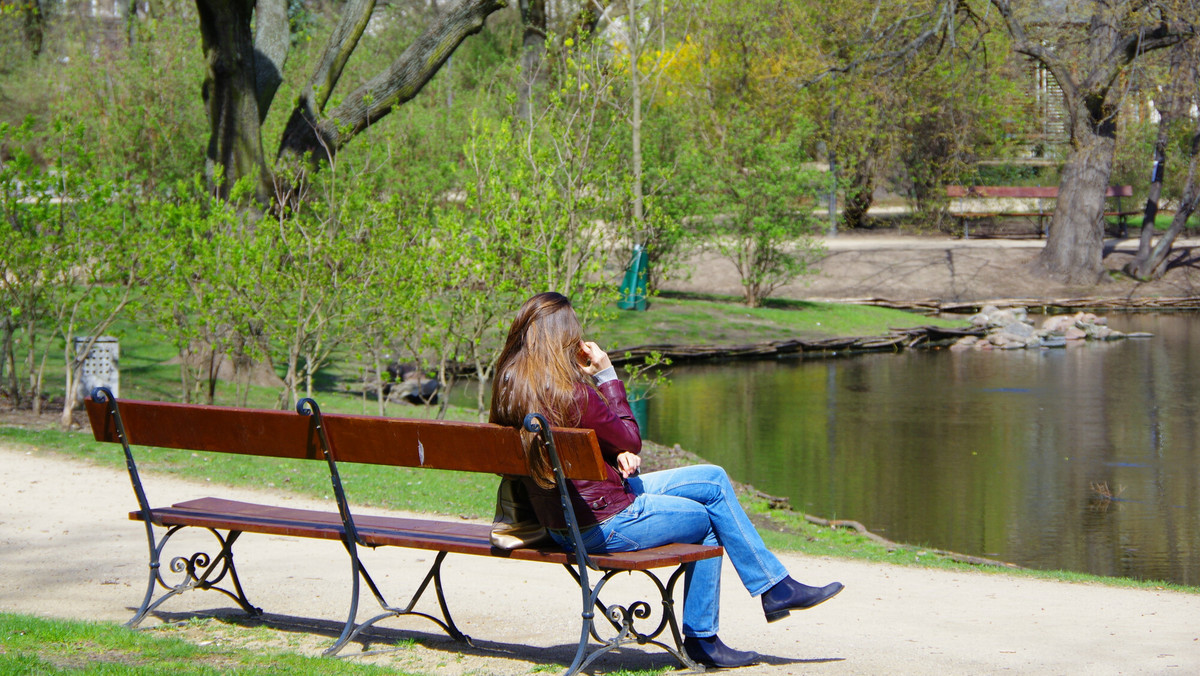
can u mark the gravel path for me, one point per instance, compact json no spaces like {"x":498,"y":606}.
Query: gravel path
{"x":67,"y":550}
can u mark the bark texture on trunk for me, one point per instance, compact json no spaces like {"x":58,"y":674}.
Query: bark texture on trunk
{"x":231,"y":97}
{"x":1075,"y":244}
{"x":272,"y":37}
{"x":34,"y":27}
{"x":860,"y":194}
{"x":322,"y":135}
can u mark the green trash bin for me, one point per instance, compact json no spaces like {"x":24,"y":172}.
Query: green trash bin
{"x":633,"y":286}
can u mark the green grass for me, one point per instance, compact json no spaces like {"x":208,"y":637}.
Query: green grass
{"x":711,"y":320}
{"x":32,"y":645}
{"x":1162,"y":221}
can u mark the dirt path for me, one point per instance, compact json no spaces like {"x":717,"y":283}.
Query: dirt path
{"x":66,"y":550}
{"x":948,"y":269}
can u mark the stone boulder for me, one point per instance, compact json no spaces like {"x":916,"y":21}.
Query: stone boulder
{"x":1012,"y":329}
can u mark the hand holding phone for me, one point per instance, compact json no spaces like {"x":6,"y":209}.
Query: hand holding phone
{"x":592,"y":359}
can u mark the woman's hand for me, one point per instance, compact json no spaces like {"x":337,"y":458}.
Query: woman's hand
{"x":628,"y":464}
{"x":592,"y":359}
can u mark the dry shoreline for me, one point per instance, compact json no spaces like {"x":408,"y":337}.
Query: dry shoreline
{"x":950,"y":270}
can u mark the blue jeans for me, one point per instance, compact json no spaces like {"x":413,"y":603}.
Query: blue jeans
{"x":694,"y":505}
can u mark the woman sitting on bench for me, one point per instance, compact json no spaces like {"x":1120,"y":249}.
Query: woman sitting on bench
{"x":546,"y":366}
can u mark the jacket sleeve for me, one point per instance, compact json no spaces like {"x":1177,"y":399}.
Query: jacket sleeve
{"x":613,"y":421}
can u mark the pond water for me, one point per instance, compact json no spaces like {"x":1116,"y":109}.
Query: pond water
{"x":1085,"y":458}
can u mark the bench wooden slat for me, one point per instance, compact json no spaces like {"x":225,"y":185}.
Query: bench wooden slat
{"x":436,"y":444}
{"x":448,"y":536}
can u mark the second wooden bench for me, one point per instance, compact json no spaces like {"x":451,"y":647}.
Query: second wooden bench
{"x":991,"y":201}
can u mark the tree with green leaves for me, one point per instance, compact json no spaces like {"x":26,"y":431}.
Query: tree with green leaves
{"x":1088,"y":48}
{"x":27,"y":210}
{"x":76,"y":250}
{"x":193,"y":305}
{"x":758,"y":202}
{"x":753,"y":192}
{"x":912,"y":121}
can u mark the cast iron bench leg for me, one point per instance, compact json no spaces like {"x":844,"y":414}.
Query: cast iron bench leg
{"x":350,"y":632}
{"x":622,"y":620}
{"x":198,"y":573}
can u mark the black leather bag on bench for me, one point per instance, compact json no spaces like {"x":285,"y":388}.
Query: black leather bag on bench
{"x":515,"y":524}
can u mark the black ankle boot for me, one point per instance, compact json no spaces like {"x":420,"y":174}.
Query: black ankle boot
{"x":790,"y":595}
{"x":711,"y":652}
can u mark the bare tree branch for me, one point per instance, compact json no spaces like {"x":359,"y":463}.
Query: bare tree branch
{"x":355,"y":16}
{"x":408,"y":74}
{"x":941,"y":30}
{"x":1127,"y":49}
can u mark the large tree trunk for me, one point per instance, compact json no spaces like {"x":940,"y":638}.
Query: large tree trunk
{"x":860,"y":193}
{"x":231,"y":97}
{"x":272,"y":37}
{"x":1075,"y":245}
{"x":244,"y":72}
{"x":35,"y":27}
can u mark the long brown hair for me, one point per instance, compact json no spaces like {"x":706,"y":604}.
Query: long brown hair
{"x":538,"y":371}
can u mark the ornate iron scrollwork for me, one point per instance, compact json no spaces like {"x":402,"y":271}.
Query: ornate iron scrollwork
{"x":625,"y":619}
{"x":199,"y":570}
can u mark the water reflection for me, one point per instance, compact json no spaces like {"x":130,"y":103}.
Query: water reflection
{"x":1081,"y":458}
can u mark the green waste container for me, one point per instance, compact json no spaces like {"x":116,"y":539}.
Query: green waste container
{"x":633,"y":286}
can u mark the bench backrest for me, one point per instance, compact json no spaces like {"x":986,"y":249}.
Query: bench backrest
{"x":437,"y":444}
{"x":1024,"y":191}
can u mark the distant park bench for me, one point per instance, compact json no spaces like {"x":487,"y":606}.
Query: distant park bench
{"x":977,"y":202}
{"x":338,"y":439}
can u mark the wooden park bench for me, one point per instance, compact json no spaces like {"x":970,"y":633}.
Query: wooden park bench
{"x":998,"y":201}
{"x":339,"y":439}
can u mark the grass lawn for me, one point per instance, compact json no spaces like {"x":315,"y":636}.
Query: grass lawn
{"x":33,"y":645}
{"x":1162,"y":221}
{"x":692,"y":320}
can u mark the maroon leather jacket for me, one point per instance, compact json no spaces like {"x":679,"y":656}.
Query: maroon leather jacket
{"x":617,"y":432}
